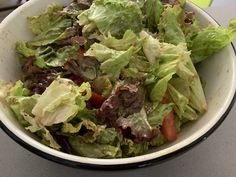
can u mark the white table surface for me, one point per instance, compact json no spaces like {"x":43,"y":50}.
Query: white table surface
{"x":215,"y":157}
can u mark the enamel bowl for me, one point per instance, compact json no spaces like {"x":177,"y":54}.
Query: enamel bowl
{"x":218,"y":72}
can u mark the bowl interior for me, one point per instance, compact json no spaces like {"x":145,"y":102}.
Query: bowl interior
{"x":218,"y":72}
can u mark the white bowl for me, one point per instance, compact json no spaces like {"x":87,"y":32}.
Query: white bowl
{"x":219,"y":73}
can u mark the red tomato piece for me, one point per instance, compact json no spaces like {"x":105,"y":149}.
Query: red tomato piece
{"x":81,"y":52}
{"x":168,"y":127}
{"x":97,"y":100}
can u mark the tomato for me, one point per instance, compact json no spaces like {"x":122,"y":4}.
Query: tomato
{"x":81,"y":52}
{"x":168,"y":127}
{"x":97,"y":100}
{"x":165,"y":99}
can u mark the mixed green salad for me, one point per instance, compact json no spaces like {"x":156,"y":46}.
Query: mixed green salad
{"x":112,"y":78}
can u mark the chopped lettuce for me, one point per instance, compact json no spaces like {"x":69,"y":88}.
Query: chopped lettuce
{"x":94,"y":150}
{"x":112,"y":61}
{"x":45,"y":134}
{"x":19,"y":100}
{"x":135,"y":58}
{"x":131,"y":149}
{"x":61,"y":101}
{"x":151,"y":47}
{"x":210,"y":40}
{"x":156,"y":117}
{"x":129,"y":39}
{"x":48,"y":57}
{"x":169,"y":25}
{"x":23,"y":49}
{"x":139,"y":127}
{"x":152,"y":10}
{"x":112,"y":16}
{"x":46,"y":19}
{"x":105,"y":143}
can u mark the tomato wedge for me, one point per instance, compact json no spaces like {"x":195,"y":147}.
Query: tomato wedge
{"x":168,"y":127}
{"x":165,"y":99}
{"x":81,"y":52}
{"x":97,"y":100}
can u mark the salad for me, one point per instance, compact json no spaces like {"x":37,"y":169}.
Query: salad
{"x":112,"y":78}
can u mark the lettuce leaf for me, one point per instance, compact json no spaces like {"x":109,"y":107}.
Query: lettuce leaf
{"x":137,"y":123}
{"x":96,"y":141}
{"x":61,"y":101}
{"x":112,"y":16}
{"x":131,"y":149}
{"x":169,"y":25}
{"x":94,"y":150}
{"x":46,"y":19}
{"x":112,"y":61}
{"x":129,"y":39}
{"x":156,"y":117}
{"x":22,"y":104}
{"x":41,"y":131}
{"x":152,"y":10}
{"x":48,"y":57}
{"x":210,"y":40}
{"x":19,"y":100}
{"x":25,"y":50}
{"x":151,"y":47}
{"x":125,"y":100}
{"x":51,"y":26}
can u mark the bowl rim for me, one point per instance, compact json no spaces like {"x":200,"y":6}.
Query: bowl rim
{"x":94,"y":163}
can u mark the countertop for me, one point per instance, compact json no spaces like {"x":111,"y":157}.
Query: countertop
{"x":215,"y":157}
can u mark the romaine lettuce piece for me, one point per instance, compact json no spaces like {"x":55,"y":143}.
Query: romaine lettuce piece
{"x":48,"y":57}
{"x":23,"y":49}
{"x":151,"y":47}
{"x":131,"y":149}
{"x":112,"y":16}
{"x":94,"y":150}
{"x":46,"y":19}
{"x":210,"y":40}
{"x":129,"y":39}
{"x":45,"y":135}
{"x":61,"y":101}
{"x":169,"y":25}
{"x":152,"y":10}
{"x":112,"y":61}
{"x":156,"y":117}
{"x":96,"y":141}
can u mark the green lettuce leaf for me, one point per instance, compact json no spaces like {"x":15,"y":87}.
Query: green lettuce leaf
{"x":41,"y":131}
{"x":102,"y":85}
{"x":159,"y":89}
{"x":131,"y":149}
{"x":139,"y":126}
{"x":94,"y":150}
{"x":48,"y":57}
{"x":210,"y":40}
{"x":152,"y":10}
{"x":46,"y":19}
{"x":151,"y":47}
{"x":63,"y":29}
{"x":61,"y":101}
{"x":25,"y":50}
{"x":97,"y":142}
{"x":169,"y":25}
{"x":158,"y":140}
{"x":112,"y":61}
{"x":19,"y":100}
{"x":156,"y":117}
{"x":112,"y":16}
{"x":129,"y":39}
{"x":51,"y":26}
